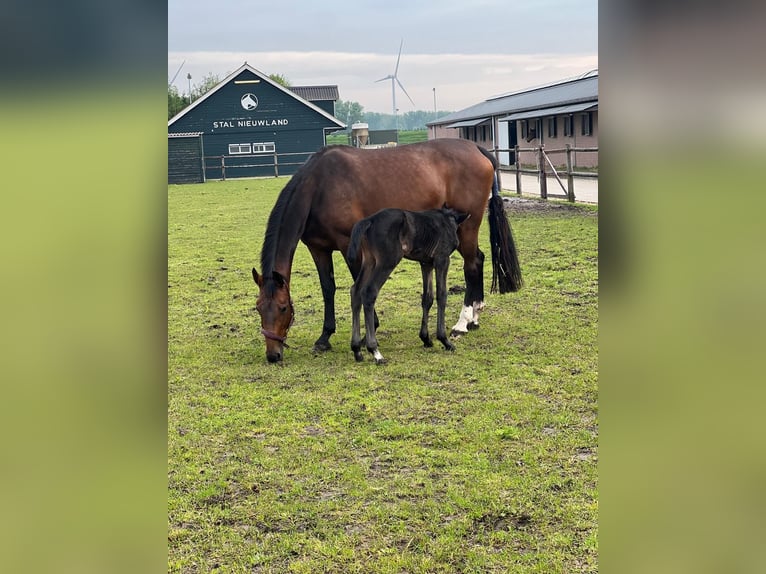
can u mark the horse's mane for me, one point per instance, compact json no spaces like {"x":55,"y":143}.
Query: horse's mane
{"x":281,"y":210}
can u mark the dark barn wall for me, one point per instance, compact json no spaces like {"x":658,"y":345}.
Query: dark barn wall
{"x":184,"y":160}
{"x":278,"y":117}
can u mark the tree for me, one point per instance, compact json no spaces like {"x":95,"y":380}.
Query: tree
{"x":205,"y":85}
{"x":349,"y":112}
{"x":176,"y":102}
{"x":280,"y":79}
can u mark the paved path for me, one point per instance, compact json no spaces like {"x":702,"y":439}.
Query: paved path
{"x":586,"y":188}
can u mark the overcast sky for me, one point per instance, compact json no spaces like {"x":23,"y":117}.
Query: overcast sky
{"x":469,"y":50}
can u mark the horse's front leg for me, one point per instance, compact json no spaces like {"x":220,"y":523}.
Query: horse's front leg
{"x":427,"y":301}
{"x":324,"y":265}
{"x":441,"y":303}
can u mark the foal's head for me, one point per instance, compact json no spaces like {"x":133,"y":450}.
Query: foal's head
{"x":275,"y":307}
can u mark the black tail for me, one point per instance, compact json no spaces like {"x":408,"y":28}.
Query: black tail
{"x":357,"y":233}
{"x":506,"y":271}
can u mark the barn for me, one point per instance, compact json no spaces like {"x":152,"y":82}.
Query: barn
{"x":564,"y":112}
{"x":249,"y":126}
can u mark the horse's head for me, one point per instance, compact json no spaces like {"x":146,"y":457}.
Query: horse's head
{"x":275,"y":307}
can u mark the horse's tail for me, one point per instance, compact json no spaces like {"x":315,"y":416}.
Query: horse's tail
{"x":357,"y":234}
{"x":506,"y":271}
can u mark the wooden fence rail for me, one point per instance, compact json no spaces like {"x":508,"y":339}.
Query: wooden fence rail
{"x":220,"y":161}
{"x":541,"y":154}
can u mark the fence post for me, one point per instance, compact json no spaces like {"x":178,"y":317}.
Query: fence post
{"x":498,"y":171}
{"x":517,"y":164}
{"x":570,"y":177}
{"x":541,"y":172}
{"x":223,"y":168}
{"x":276,"y":165}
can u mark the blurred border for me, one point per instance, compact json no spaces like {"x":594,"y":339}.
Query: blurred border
{"x":83,"y":112}
{"x":682,"y":308}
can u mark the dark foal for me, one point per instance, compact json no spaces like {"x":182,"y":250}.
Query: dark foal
{"x":381,"y":241}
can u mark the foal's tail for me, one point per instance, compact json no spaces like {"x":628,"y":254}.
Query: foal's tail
{"x":357,"y":234}
{"x":506,"y":271}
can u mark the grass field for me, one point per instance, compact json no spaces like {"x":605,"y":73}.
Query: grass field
{"x":481,"y":460}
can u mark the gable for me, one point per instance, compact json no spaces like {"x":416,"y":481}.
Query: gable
{"x":249,"y":101}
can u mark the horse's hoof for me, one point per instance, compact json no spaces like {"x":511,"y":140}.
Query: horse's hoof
{"x":358,"y":357}
{"x":380,"y":361}
{"x":473,"y":326}
{"x":321,"y":347}
{"x":428,"y":343}
{"x":455,"y":334}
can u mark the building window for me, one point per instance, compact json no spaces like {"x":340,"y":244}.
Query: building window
{"x":264,"y":147}
{"x":524,"y":128}
{"x":587,"y":123}
{"x":239,"y":148}
{"x":552,"y":127}
{"x":568,"y":131}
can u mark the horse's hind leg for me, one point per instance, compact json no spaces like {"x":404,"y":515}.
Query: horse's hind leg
{"x":427,"y":301}
{"x":473,"y":270}
{"x":356,"y":336}
{"x":370,"y":293}
{"x":441,"y":303}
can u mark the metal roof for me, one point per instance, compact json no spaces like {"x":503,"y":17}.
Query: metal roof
{"x":549,"y":112}
{"x":468,"y":123}
{"x":316,"y":93}
{"x":579,"y":90}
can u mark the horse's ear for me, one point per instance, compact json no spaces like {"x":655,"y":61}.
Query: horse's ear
{"x":257,"y":278}
{"x":279,"y":279}
{"x":407,"y":233}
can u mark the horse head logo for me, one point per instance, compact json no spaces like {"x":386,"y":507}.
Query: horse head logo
{"x":249,"y":101}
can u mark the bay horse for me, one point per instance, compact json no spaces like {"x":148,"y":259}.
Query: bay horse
{"x":378,"y":243}
{"x":339,"y":185}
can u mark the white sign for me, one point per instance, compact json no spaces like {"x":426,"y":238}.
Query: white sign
{"x":249,"y":101}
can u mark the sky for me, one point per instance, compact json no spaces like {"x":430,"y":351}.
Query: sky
{"x":455,"y":53}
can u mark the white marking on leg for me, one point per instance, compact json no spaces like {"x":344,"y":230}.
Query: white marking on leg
{"x":478,"y":307}
{"x":378,"y":356}
{"x":466,"y":316}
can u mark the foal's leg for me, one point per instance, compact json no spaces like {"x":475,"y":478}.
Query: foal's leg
{"x":442,"y":267}
{"x":370,"y":291}
{"x":324,"y":265}
{"x":427,"y":302}
{"x":356,"y":306}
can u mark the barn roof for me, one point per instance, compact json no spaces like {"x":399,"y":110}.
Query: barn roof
{"x":540,"y":100}
{"x":264,"y":78}
{"x":316,"y":93}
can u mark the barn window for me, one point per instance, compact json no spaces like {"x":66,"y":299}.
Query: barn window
{"x":239,"y":148}
{"x":264,"y":147}
{"x":587,"y":123}
{"x":524,"y":128}
{"x":568,"y":131}
{"x":552,"y":127}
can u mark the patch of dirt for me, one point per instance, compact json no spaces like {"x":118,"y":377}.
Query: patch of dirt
{"x":530,"y":205}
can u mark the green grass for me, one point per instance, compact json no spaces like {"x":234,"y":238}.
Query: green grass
{"x":481,"y":460}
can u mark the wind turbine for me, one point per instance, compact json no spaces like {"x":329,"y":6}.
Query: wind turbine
{"x":395,"y":80}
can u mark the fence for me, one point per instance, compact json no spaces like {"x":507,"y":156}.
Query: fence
{"x":542,"y":159}
{"x":267,"y":161}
